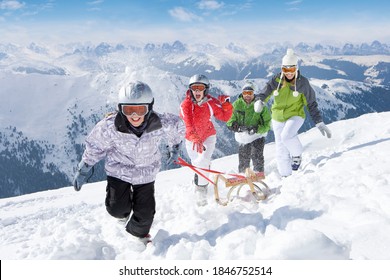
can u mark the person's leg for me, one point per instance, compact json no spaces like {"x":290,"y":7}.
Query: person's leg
{"x":193,"y":155}
{"x":144,"y":208}
{"x":203,"y":160}
{"x":257,"y":154}
{"x":289,"y":136}
{"x":244,"y":157}
{"x":118,"y":198}
{"x":283,"y":160}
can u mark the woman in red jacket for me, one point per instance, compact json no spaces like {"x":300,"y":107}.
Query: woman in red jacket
{"x":196,"y":111}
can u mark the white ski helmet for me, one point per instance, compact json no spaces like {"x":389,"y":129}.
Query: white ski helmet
{"x":199,"y":79}
{"x":135,"y":93}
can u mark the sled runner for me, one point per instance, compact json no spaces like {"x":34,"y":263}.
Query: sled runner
{"x":253,"y":180}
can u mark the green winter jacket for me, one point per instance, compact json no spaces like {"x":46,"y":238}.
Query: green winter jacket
{"x":286,"y":105}
{"x":245,"y":116}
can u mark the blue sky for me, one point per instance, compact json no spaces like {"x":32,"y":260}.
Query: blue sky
{"x":214,"y":21}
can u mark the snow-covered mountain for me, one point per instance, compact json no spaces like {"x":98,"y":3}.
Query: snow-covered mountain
{"x":335,"y":207}
{"x":55,"y":94}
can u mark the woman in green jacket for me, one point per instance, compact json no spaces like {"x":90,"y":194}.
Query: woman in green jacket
{"x":250,"y":129}
{"x":291,"y":92}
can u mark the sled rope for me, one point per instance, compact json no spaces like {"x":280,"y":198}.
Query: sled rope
{"x":182,"y":162}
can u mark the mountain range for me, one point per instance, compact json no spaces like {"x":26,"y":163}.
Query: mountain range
{"x":54,"y":94}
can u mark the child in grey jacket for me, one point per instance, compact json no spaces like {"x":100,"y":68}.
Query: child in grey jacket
{"x":129,"y":141}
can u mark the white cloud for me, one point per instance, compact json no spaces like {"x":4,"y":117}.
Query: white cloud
{"x":97,"y":2}
{"x":182,"y":14}
{"x":95,"y":5}
{"x":294,"y":2}
{"x":11,"y":5}
{"x":293,"y":5}
{"x":210,"y":5}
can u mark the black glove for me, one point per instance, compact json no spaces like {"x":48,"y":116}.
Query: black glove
{"x":173,"y":153}
{"x":81,"y":175}
{"x":234,"y":127}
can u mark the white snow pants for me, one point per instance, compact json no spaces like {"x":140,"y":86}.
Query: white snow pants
{"x":287,"y":143}
{"x":202,"y":160}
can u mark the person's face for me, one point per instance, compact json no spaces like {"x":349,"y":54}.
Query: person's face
{"x":248,"y":96}
{"x":198,"y":91}
{"x":289,"y":71}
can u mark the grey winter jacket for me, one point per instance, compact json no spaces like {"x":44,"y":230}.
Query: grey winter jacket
{"x":133,"y":159}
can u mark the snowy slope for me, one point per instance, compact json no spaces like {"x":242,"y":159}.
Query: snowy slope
{"x":336,"y":207}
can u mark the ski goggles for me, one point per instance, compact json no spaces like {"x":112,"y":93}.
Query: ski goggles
{"x":247,"y":92}
{"x":289,"y":69}
{"x":199,"y":87}
{"x":139,"y":109}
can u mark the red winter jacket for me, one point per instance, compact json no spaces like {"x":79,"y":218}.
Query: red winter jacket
{"x":197,"y":118}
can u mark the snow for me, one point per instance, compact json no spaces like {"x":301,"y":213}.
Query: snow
{"x":336,"y":207}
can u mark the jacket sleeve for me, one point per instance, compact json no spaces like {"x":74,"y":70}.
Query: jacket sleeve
{"x":96,"y":144}
{"x":311,"y":101}
{"x":222,"y":112}
{"x":186,"y":114}
{"x":268,"y":89}
{"x":174,"y":128}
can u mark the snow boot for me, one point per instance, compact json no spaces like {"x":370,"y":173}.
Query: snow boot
{"x":296,"y":162}
{"x":201,"y":195}
{"x":200,"y":192}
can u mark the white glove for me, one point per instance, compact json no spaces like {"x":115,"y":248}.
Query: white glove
{"x":324,"y":129}
{"x":258,"y":106}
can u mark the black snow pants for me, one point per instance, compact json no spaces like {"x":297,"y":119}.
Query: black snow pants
{"x":122,"y":198}
{"x":252,"y":151}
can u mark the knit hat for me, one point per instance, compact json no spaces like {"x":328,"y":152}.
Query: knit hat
{"x":249,"y":86}
{"x":290,"y":58}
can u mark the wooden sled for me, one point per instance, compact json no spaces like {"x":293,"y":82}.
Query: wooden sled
{"x":251,"y":179}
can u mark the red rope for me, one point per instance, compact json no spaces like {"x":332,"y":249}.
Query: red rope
{"x":194,"y":168}
{"x":182,"y":162}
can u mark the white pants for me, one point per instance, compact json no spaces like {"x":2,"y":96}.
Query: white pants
{"x":202,"y":160}
{"x":287,"y":143}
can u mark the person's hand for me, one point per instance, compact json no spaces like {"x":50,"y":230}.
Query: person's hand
{"x":252,"y":130}
{"x":81,"y":175}
{"x":224,"y":98}
{"x":173,"y":153}
{"x":324,"y":129}
{"x":226,"y":106}
{"x":258,"y":106}
{"x":234,"y":127}
{"x":225,"y":102}
{"x":198,"y":147}
{"x":197,"y":143}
